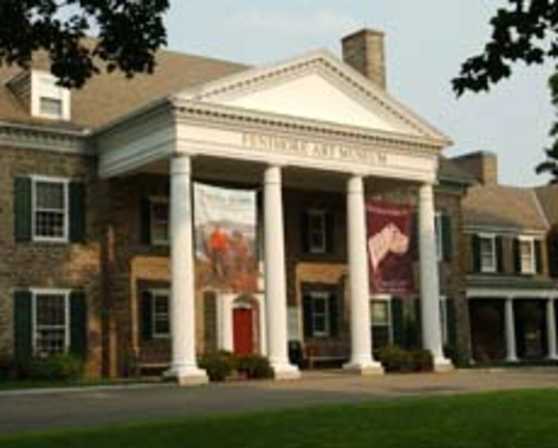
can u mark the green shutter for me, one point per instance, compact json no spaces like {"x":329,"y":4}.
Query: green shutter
{"x":418,"y":322}
{"x":447,"y":237}
{"x":476,"y":253}
{"x":23,"y":325}
{"x":516,"y":256}
{"x":538,"y":257}
{"x":77,"y":212}
{"x":414,"y":237}
{"x":330,"y":232}
{"x":307,"y":316}
{"x":304,"y":222}
{"x":78,"y":323}
{"x":333,"y":315}
{"x":499,"y":254}
{"x":397,"y":321}
{"x":145,"y":221}
{"x":147,"y":315}
{"x":22,"y":209}
{"x":451,"y":322}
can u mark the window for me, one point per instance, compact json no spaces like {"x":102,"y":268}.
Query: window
{"x":527,"y":255}
{"x":317,"y":231}
{"x":50,"y":209}
{"x":380,"y":318}
{"x":438,"y":227}
{"x":159,"y":221}
{"x":50,"y":106}
{"x":320,"y":314}
{"x":51,"y":317}
{"x":160,"y":313}
{"x":487,"y":253}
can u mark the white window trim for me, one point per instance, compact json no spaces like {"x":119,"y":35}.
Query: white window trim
{"x":325,"y":296}
{"x":439,"y":222}
{"x":152,"y":201}
{"x":55,"y":180}
{"x":313,"y":249}
{"x":531,"y":240}
{"x":494,"y":268}
{"x":159,"y":293}
{"x":54,"y":292}
{"x":387,"y":299}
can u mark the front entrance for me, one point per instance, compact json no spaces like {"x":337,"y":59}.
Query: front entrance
{"x":243,"y":322}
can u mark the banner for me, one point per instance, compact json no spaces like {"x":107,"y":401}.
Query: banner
{"x":225,"y":226}
{"x":389,"y":247}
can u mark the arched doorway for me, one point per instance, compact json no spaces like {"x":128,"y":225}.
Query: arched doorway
{"x":245,"y":328}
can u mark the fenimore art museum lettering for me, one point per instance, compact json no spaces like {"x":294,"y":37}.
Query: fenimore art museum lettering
{"x":306,"y":148}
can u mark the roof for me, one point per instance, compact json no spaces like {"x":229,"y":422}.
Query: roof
{"x":106,"y":97}
{"x":450,"y":171}
{"x":503,"y":206}
{"x":548,"y":198}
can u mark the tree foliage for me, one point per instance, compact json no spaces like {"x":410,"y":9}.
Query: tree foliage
{"x":129,"y":32}
{"x":550,"y":165}
{"x":525,"y":30}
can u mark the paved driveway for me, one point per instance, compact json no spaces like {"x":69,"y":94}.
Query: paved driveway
{"x":50,"y":410}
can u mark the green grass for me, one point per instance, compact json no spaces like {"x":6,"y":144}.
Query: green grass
{"x":509,"y":419}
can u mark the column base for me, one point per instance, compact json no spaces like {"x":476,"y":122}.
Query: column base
{"x":512,"y":360}
{"x":369,"y":368}
{"x":186,"y":376}
{"x":552,"y":358}
{"x":285,"y":372}
{"x":442,"y":365}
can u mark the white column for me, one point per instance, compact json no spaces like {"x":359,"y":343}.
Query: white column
{"x":510,"y":332}
{"x":184,"y":366}
{"x":551,"y":329}
{"x":361,"y":334}
{"x":429,"y":281}
{"x":275,"y":277}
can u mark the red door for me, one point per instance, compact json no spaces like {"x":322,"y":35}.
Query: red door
{"x":243,"y":331}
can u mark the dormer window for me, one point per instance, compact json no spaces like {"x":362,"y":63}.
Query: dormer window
{"x":48,"y":100}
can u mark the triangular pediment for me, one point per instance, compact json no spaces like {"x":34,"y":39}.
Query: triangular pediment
{"x":317,"y":87}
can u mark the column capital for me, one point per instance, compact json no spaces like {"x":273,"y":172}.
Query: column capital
{"x":355,"y":184}
{"x":273,"y":174}
{"x":181,"y":164}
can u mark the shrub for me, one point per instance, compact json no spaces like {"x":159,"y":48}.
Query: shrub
{"x":218,"y":365}
{"x":395,"y":359}
{"x":7,"y":369}
{"x":54,"y":368}
{"x":254,"y":367}
{"x":422,"y":361}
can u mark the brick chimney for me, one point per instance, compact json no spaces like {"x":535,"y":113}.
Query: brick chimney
{"x":365,"y":52}
{"x":483,"y":165}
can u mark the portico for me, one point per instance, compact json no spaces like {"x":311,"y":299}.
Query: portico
{"x":312,"y":115}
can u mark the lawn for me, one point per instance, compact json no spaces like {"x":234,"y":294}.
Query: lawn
{"x":510,"y":420}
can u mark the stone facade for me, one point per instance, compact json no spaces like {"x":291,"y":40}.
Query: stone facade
{"x":51,"y":265}
{"x":114,"y":266}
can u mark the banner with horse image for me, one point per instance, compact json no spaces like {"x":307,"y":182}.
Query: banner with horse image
{"x":225,"y":226}
{"x":389,"y":236}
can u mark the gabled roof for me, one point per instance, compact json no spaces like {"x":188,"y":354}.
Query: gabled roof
{"x":499,"y":206}
{"x":548,"y":198}
{"x":316,"y":86}
{"x":107,"y":97}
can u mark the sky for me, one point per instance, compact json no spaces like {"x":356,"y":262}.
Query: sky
{"x":426,"y":41}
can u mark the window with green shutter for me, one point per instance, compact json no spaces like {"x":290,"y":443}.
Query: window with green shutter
{"x":77,"y":212}
{"x":447,"y":237}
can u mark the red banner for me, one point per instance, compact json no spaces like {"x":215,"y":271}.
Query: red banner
{"x":389,"y":247}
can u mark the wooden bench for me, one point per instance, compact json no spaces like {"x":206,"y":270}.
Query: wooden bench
{"x":314,"y":353}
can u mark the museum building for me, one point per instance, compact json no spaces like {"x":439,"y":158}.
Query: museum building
{"x":98,"y":186}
